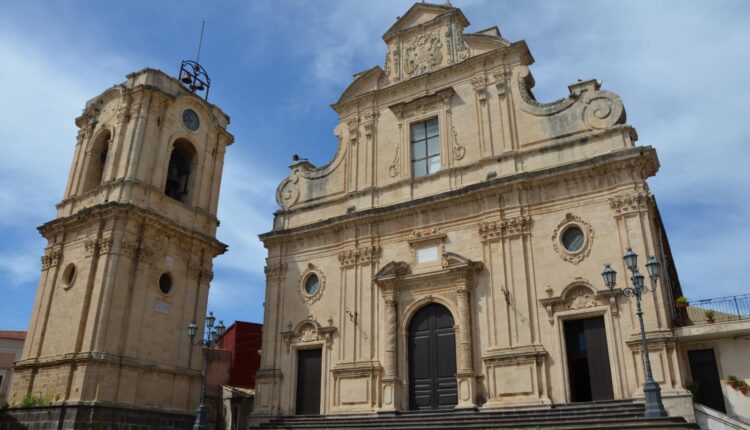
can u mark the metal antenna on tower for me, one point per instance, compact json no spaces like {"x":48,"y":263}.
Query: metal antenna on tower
{"x":192,"y":74}
{"x":200,"y":42}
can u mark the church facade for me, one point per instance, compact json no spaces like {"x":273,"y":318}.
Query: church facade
{"x":450,"y":254}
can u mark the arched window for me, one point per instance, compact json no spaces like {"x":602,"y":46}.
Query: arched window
{"x":178,"y":172}
{"x":97,"y":159}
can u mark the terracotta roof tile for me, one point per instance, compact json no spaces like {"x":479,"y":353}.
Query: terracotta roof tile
{"x":12,"y":335}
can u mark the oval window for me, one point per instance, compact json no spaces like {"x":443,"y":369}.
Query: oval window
{"x":572,"y":239}
{"x":312,"y":284}
{"x":165,"y":283}
{"x":69,"y":275}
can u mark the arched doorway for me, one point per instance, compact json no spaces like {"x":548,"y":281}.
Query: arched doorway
{"x":432,"y":359}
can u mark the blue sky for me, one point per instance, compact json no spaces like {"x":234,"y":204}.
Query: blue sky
{"x":276,"y":66}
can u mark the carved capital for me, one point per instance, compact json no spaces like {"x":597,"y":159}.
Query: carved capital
{"x":628,"y":204}
{"x":480,"y":87}
{"x":362,"y":255}
{"x":505,"y":228}
{"x":52,"y":257}
{"x":275,"y":271}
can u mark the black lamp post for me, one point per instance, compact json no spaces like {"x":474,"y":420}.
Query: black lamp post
{"x":654,"y":406}
{"x":211,"y":338}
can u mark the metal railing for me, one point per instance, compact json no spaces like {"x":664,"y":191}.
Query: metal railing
{"x":730,"y":308}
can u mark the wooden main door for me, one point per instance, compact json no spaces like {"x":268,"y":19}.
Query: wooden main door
{"x":706,"y":375}
{"x":308,"y":381}
{"x":588,"y":360}
{"x":432,"y":359}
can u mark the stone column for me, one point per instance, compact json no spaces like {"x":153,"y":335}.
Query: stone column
{"x":391,"y":382}
{"x":391,"y":338}
{"x":465,"y":374}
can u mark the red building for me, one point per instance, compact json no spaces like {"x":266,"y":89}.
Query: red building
{"x":243,"y":340}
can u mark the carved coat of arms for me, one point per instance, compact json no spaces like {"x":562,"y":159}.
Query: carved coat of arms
{"x":422,"y":53}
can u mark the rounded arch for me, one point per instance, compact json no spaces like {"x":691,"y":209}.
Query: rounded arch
{"x":574,"y":285}
{"x":96,"y":159}
{"x":416,"y":306}
{"x":186,"y":101}
{"x":181,"y":170}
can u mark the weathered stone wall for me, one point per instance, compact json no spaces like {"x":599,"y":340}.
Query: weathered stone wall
{"x":92,"y":417}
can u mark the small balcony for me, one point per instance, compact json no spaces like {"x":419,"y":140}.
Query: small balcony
{"x":711,"y":311}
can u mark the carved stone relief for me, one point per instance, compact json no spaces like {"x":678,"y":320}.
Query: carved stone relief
{"x":458,"y":150}
{"x":422,"y":53}
{"x":579,"y":298}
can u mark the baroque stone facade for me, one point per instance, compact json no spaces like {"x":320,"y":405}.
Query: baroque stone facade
{"x":506,"y":222}
{"x":129,"y":256}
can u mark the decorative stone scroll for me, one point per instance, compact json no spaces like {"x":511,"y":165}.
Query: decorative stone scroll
{"x":395,"y":167}
{"x":458,"y":150}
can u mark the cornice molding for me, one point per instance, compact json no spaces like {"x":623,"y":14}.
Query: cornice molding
{"x":642,"y":159}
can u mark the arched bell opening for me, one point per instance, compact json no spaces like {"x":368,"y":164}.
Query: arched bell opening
{"x":180,"y":171}
{"x":96,"y":161}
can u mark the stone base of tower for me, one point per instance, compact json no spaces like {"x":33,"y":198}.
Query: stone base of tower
{"x":64,"y":417}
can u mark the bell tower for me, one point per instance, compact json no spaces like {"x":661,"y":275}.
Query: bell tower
{"x":129,"y":256}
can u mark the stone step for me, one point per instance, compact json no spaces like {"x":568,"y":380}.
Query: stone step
{"x":421,"y":415}
{"x":616,"y":423}
{"x":616,"y":414}
{"x":463,"y":418}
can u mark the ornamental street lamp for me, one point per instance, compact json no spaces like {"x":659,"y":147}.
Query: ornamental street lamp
{"x":651,"y":390}
{"x":211,"y":337}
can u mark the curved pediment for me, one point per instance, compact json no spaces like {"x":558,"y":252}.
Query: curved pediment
{"x":420,"y":14}
{"x":363,"y":83}
{"x":392,"y":270}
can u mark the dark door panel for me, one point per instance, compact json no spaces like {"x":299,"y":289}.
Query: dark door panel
{"x":706,"y":374}
{"x":308,"y":381}
{"x":589,"y":373}
{"x":432,"y":359}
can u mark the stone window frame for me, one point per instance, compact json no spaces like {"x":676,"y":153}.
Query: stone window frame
{"x":68,"y":283}
{"x":171,"y":283}
{"x":569,"y":221}
{"x":422,"y":122}
{"x":311,"y":269}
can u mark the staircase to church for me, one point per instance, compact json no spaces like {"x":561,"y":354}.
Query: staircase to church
{"x":592,"y":415}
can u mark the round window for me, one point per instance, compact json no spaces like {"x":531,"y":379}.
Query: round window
{"x":190,"y":119}
{"x":312,"y":284}
{"x":573,"y":239}
{"x":69,"y":275}
{"x":165,"y":283}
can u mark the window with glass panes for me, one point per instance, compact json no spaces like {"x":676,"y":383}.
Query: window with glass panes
{"x":425,"y":147}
